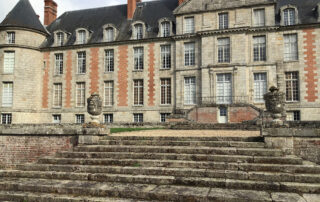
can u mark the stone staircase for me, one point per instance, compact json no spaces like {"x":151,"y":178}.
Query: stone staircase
{"x":165,"y":169}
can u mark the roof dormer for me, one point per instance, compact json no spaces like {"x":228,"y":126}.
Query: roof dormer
{"x":289,"y":15}
{"x":165,"y":27}
{"x":82,"y":36}
{"x":110,"y":33}
{"x":138,"y":30}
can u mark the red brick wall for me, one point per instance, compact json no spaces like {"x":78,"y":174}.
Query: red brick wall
{"x":310,"y":65}
{"x":45,"y":80}
{"x":240,"y":114}
{"x":123,"y":77}
{"x":28,"y":149}
{"x":68,"y":79}
{"x":151,"y":85}
{"x":204,"y":115}
{"x":94,"y":70}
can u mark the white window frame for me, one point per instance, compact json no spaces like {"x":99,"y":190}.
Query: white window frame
{"x":189,"y":26}
{"x":260,"y":86}
{"x":165,"y":56}
{"x":165,"y":29}
{"x":224,"y":52}
{"x":224,"y":88}
{"x":60,"y":38}
{"x":80,"y":94}
{"x":259,"y":48}
{"x":190,"y":91}
{"x":189,"y":54}
{"x":82,"y":37}
{"x":109,"y":61}
{"x":56,"y":118}
{"x":80,"y":118}
{"x":7,"y":94}
{"x":292,"y":86}
{"x":289,"y":16}
{"x":58,"y":64}
{"x":138,"y":31}
{"x":82,"y":62}
{"x":165,"y":91}
{"x":138,"y":117}
{"x":138,"y":58}
{"x":11,"y":37}
{"x":138,"y":92}
{"x":57,"y":95}
{"x":110,"y":33}
{"x":290,"y":47}
{"x":223,"y":20}
{"x":9,"y":62}
{"x":108,"y":93}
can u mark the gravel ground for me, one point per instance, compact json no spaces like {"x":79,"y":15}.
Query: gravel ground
{"x":191,"y":133}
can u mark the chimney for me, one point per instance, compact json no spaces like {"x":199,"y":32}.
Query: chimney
{"x":132,"y":4}
{"x":50,"y":11}
{"x":180,"y":1}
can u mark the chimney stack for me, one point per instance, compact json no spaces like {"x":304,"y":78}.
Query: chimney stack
{"x":180,"y":1}
{"x":132,"y":5}
{"x":50,"y":11}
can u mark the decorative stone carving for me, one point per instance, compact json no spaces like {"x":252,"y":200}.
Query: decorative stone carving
{"x":275,"y":104}
{"x":94,"y":107}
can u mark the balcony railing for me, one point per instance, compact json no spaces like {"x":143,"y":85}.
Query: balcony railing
{"x":225,"y":100}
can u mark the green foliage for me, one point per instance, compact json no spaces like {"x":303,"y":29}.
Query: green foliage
{"x":121,"y":130}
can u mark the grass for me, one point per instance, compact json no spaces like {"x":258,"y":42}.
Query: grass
{"x":121,"y":130}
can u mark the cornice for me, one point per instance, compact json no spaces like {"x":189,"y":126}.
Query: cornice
{"x":18,"y":46}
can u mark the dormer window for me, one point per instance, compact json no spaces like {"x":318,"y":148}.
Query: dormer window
{"x":138,"y":31}
{"x":289,"y":16}
{"x":60,"y":38}
{"x":82,"y":37}
{"x":109,"y":34}
{"x":11,"y":37}
{"x":165,"y":29}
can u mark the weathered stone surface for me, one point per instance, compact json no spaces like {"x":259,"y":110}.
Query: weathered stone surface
{"x":285,"y":197}
{"x":311,"y":197}
{"x":237,"y":195}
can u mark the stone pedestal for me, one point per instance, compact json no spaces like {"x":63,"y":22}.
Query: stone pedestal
{"x":95,"y":119}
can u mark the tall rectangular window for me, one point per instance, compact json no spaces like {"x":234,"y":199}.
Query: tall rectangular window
{"x":166,"y":57}
{"x":260,"y":86}
{"x":138,"y":58}
{"x":223,"y":21}
{"x":290,"y":47}
{"x":259,"y":48}
{"x":9,"y":62}
{"x":165,"y":29}
{"x":109,"y":61}
{"x":108,"y":118}
{"x":82,"y":37}
{"x":292,"y":86}
{"x":80,"y":119}
{"x":189,"y":25}
{"x":60,"y":38}
{"x":82,"y":62}
{"x":138,"y":31}
{"x":109,"y":34}
{"x":259,"y":18}
{"x":11,"y":37}
{"x":57,"y":95}
{"x":189,"y":54}
{"x":190,"y":90}
{"x":108,"y":93}
{"x":7,"y":94}
{"x":138,"y":118}
{"x":81,"y":94}
{"x":59,"y":64}
{"x":223,"y":50}
{"x":6,"y":118}
{"x":289,"y":15}
{"x":224,"y":88}
{"x":165,"y":91}
{"x":138,"y":92}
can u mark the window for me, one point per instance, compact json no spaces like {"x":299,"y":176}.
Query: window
{"x":138,"y":118}
{"x":189,"y":25}
{"x":56,"y":118}
{"x":60,"y":38}
{"x":224,"y":89}
{"x":109,"y":61}
{"x":7,"y":94}
{"x":108,"y":118}
{"x":259,"y":18}
{"x":166,"y":56}
{"x":165,"y":91}
{"x":109,"y":34}
{"x":80,"y":118}
{"x":57,"y":95}
{"x":82,"y":37}
{"x":138,"y":58}
{"x":224,"y":50}
{"x":9,"y":62}
{"x":293,"y":116}
{"x":289,"y":16}
{"x":163,"y":117}
{"x":138,"y":31}
{"x":260,"y":86}
{"x":11,"y":37}
{"x":165,"y":29}
{"x":292,"y":86}
{"x":223,"y":21}
{"x":81,"y":62}
{"x":290,"y":47}
{"x":190,"y":90}
{"x":138,"y":92}
{"x":259,"y":48}
{"x":81,"y":94}
{"x":189,"y":54}
{"x":108,"y":93}
{"x":6,"y":118}
{"x":59,"y":64}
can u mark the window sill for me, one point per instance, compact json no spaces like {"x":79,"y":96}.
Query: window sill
{"x":165,"y":105}
{"x":137,"y":70}
{"x":109,"y":72}
{"x":291,"y":61}
{"x":165,"y":69}
{"x":108,"y":106}
{"x":138,"y":105}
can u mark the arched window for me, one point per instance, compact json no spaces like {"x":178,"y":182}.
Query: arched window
{"x":165,"y":29}
{"x":289,"y":16}
{"x":109,"y":34}
{"x":138,"y":31}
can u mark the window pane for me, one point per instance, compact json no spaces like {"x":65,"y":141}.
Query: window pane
{"x":165,"y":29}
{"x":259,"y":17}
{"x":57,"y":95}
{"x":138,"y":58}
{"x":82,"y":37}
{"x":189,"y":25}
{"x":7,"y":94}
{"x":290,"y":47}
{"x":9,"y":62}
{"x":109,"y":61}
{"x":11,"y":37}
{"x":223,"y":21}
{"x":190,"y":90}
{"x":224,"y":50}
{"x":224,"y":89}
{"x":81,"y":94}
{"x":81,"y":62}
{"x":59,"y":64}
{"x":60,"y":38}
{"x":138,"y":92}
{"x":6,"y":118}
{"x":289,"y":16}
{"x":108,"y":93}
{"x":166,"y":57}
{"x":259,"y":48}
{"x":165,"y":91}
{"x":189,"y":54}
{"x":109,"y":34}
{"x":260,"y":87}
{"x":292,"y":86}
{"x":138,"y":31}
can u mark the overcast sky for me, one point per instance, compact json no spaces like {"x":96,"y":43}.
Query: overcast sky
{"x":63,"y":5}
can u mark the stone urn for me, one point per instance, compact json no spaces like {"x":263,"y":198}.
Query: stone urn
{"x":94,"y":107}
{"x":275,"y":104}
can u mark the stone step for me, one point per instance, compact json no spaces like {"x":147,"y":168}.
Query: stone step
{"x":185,"y":164}
{"x":181,"y":150}
{"x":185,"y":157}
{"x":147,"y":192}
{"x":177,"y":172}
{"x":185,"y":143}
{"x":141,"y":138}
{"x":51,"y":197}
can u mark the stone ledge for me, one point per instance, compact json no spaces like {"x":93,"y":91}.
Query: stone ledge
{"x":291,"y":132}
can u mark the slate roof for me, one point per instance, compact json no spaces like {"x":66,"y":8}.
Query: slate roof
{"x":94,"y":20}
{"x":23,"y":15}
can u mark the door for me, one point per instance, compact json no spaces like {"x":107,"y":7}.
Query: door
{"x":223,"y":115}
